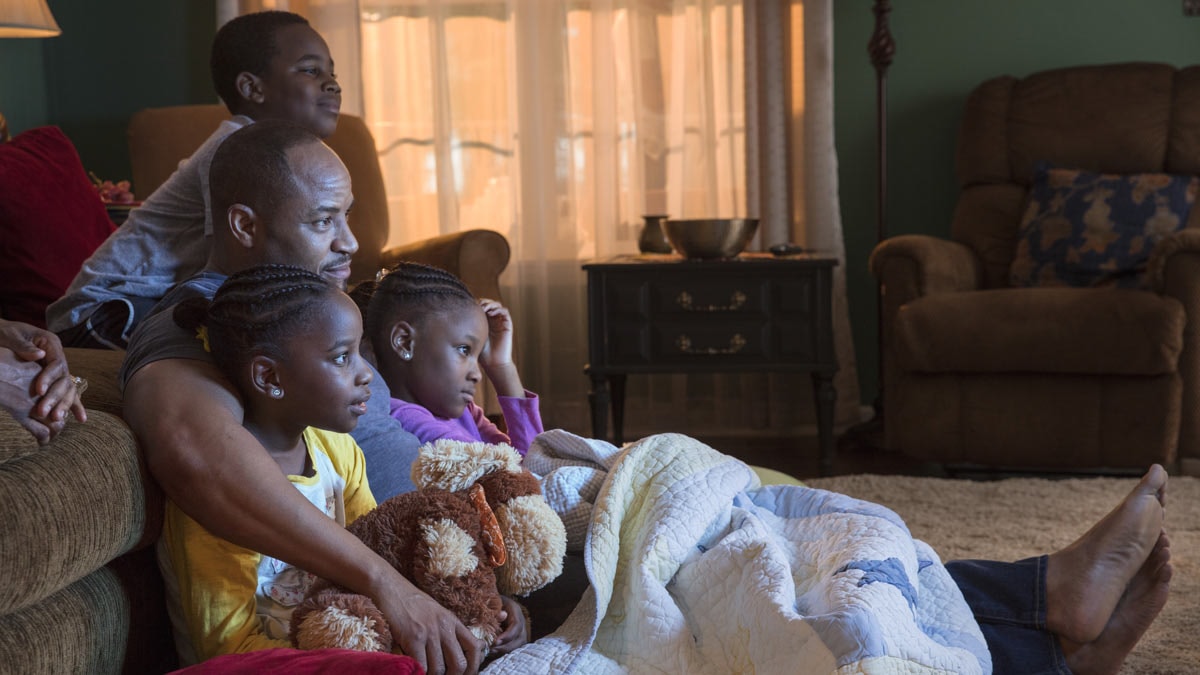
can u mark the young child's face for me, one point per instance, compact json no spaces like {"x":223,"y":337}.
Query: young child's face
{"x":324,"y":377}
{"x":445,"y":366}
{"x":299,"y":84}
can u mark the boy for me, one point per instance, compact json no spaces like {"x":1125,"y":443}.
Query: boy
{"x":266,"y":65}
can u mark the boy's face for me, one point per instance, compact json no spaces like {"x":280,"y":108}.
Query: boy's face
{"x":300,"y":84}
{"x":309,"y":229}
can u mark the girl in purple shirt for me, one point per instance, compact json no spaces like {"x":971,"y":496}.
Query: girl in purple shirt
{"x":433,"y":342}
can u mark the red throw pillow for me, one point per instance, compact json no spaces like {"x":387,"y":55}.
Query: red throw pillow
{"x":51,"y":219}
{"x":281,"y":661}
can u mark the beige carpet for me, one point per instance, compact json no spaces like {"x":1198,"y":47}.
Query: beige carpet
{"x":1019,"y":517}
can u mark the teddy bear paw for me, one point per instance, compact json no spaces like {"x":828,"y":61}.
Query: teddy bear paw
{"x":342,"y":621}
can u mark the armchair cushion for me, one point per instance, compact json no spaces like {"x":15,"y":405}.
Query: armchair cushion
{"x":1095,"y":332}
{"x":51,"y":219}
{"x":1082,"y":228}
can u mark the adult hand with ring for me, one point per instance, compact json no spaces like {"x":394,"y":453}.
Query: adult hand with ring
{"x":38,"y":390}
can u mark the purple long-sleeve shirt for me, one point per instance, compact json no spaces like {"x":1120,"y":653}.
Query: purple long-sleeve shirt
{"x":521,"y":416}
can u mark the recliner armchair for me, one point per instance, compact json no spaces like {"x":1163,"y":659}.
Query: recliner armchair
{"x":981,"y":373}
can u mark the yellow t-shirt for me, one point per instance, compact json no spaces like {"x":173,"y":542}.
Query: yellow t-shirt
{"x":224,"y":598}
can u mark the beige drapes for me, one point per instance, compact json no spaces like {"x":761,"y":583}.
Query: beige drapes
{"x":560,"y":123}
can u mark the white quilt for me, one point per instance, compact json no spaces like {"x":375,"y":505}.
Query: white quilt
{"x":695,"y":568}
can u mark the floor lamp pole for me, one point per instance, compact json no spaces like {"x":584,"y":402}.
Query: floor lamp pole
{"x":869,"y":435}
{"x":881,"y":49}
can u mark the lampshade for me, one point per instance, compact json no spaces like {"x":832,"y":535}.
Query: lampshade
{"x":27,"y":18}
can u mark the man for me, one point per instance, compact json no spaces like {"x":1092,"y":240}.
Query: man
{"x":281,"y":197}
{"x":265,"y":65}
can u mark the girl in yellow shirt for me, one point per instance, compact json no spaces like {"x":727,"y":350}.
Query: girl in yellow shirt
{"x":289,"y":342}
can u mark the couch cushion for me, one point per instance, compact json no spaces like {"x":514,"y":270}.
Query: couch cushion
{"x":51,"y":219}
{"x":99,"y":367}
{"x":1041,"y":330}
{"x":1082,"y":228}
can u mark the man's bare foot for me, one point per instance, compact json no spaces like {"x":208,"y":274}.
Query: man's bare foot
{"x":1141,"y":603}
{"x":1086,"y":580}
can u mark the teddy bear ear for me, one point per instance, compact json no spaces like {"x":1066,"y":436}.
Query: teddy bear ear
{"x":536,"y":541}
{"x":490,"y":535}
{"x":454,"y":465}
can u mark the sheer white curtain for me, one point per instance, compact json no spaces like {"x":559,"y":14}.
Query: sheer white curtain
{"x":560,"y":122}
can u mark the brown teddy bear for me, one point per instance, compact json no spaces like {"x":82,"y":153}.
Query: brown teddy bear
{"x":476,"y":527}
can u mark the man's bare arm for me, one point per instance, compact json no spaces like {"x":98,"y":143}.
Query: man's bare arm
{"x":188,"y":421}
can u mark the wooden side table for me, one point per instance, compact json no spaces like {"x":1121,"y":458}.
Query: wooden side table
{"x":664,"y":314}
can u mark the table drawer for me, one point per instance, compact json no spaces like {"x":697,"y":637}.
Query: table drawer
{"x":678,"y":297}
{"x":706,"y":343}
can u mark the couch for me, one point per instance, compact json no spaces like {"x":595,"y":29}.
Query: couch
{"x":79,"y":518}
{"x":981,"y":370}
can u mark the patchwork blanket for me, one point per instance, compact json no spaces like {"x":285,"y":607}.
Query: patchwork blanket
{"x":696,"y":568}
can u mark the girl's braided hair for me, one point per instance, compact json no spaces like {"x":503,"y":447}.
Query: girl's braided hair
{"x":254,"y":313}
{"x":410,"y":292}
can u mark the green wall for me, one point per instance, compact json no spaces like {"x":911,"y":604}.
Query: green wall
{"x":111,"y":60}
{"x":22,"y":83}
{"x":943,"y":49}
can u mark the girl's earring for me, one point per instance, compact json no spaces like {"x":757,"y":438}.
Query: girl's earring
{"x":406,"y":354}
{"x":276,"y":393}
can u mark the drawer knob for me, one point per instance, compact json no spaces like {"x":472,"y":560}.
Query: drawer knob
{"x":736,"y":300}
{"x":735,"y":345}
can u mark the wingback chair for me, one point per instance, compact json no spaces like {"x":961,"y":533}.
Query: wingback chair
{"x":159,"y":138}
{"x":980,"y":372}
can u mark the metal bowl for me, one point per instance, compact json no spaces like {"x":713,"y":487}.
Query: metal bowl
{"x":710,"y":238}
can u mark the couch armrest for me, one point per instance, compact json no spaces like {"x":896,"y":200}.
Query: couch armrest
{"x":70,"y":507}
{"x":912,"y":265}
{"x":1176,"y":255}
{"x":1174,"y":270}
{"x":475,"y":256}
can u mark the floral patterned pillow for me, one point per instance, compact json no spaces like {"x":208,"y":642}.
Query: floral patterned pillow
{"x":1096,"y":229}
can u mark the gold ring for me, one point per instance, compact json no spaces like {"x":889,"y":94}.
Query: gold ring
{"x":81,"y":384}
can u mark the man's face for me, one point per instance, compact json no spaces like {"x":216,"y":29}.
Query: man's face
{"x":300,"y":85}
{"x":309,"y":228}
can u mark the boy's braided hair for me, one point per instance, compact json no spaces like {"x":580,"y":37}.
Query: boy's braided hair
{"x":254,"y":313}
{"x":246,"y":44}
{"x":409,"y":291}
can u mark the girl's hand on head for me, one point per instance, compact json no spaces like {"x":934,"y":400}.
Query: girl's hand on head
{"x":496,"y":358}
{"x":514,"y":631}
{"x":499,"y":347}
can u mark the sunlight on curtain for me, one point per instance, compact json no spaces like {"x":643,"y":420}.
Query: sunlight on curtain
{"x":444,"y":99}
{"x":559,"y":124}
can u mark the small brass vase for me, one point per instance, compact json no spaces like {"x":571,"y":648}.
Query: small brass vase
{"x":653,"y":239}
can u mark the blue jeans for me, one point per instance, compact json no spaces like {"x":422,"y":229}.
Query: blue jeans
{"x":1009,"y":602}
